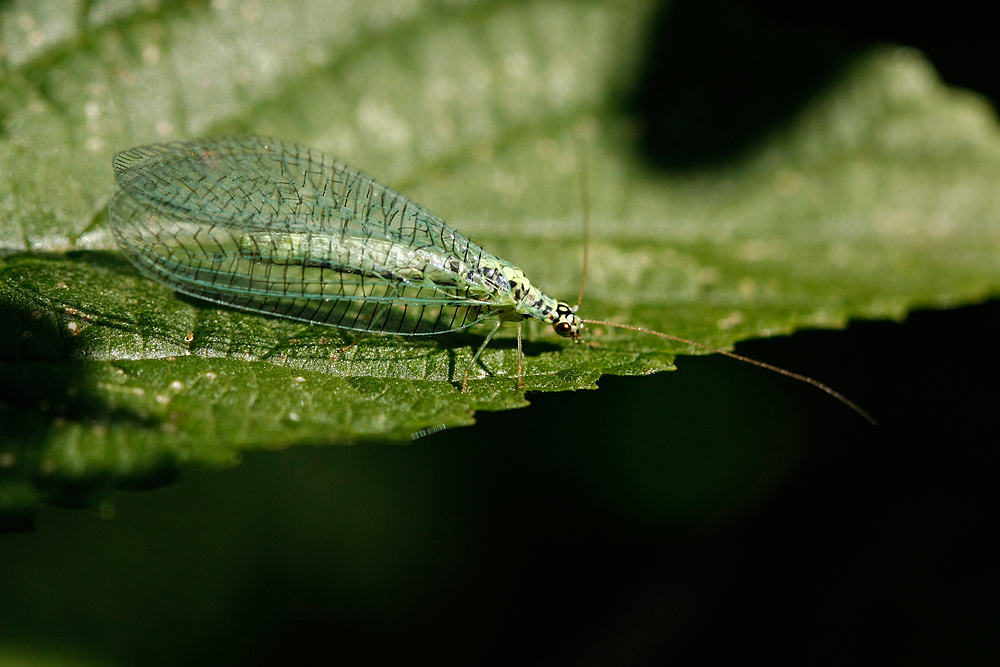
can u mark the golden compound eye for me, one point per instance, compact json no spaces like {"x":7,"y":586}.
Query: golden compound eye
{"x":563,"y":328}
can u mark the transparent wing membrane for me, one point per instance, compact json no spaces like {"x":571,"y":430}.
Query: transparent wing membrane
{"x":277,"y":228}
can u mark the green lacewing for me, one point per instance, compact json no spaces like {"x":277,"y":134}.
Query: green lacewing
{"x":274,"y":227}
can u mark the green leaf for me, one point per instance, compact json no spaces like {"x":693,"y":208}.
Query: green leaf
{"x":874,"y":199}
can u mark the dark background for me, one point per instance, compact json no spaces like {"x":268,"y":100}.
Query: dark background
{"x":717,"y":513}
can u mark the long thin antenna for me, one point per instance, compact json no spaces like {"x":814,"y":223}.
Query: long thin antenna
{"x":777,"y":369}
{"x":581,"y":156}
